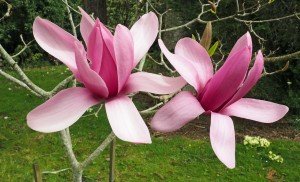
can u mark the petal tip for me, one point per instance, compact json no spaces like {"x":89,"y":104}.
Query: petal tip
{"x":97,"y":22}
{"x":286,"y":109}
{"x":231,"y":165}
{"x":80,"y":9}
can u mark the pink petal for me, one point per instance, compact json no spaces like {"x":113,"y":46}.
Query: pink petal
{"x":257,"y":110}
{"x":108,"y":39}
{"x":193,"y":52}
{"x":226,"y":81}
{"x":123,"y":45}
{"x":222,"y":138}
{"x":144,"y":33}
{"x":241,"y":43}
{"x":108,"y":71}
{"x":62,"y":110}
{"x":157,"y":84}
{"x":89,"y":77}
{"x":86,"y":25}
{"x":55,"y":41}
{"x":252,"y":78}
{"x":108,"y":68}
{"x":185,"y":68}
{"x":125,"y":120}
{"x":183,"y":108}
{"x":95,"y":48}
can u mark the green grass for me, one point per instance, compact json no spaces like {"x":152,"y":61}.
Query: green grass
{"x":173,"y":158}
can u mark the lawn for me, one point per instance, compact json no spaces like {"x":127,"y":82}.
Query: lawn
{"x":169,"y":158}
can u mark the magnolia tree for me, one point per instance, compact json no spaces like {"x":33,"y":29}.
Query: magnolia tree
{"x":102,"y":66}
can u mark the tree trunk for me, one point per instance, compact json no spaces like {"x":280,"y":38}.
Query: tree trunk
{"x":77,"y":175}
{"x":98,"y":7}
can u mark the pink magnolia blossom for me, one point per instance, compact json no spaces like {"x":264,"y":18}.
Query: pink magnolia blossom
{"x":219,"y":95}
{"x":105,"y":71}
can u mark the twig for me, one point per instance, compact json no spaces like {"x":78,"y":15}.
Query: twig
{"x":8,"y":10}
{"x":269,"y":20}
{"x":26,"y":45}
{"x":151,"y":109}
{"x":73,"y":9}
{"x":15,"y":80}
{"x":159,"y":63}
{"x":68,"y":145}
{"x":98,"y":151}
{"x":23,"y":76}
{"x":283,"y":58}
{"x":70,"y":18}
{"x":160,"y":21}
{"x":61,"y":85}
{"x":95,"y":113}
{"x":286,"y":66}
{"x":56,"y":172}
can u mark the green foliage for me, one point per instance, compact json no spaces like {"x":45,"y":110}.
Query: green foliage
{"x":123,"y":12}
{"x":213,"y":48}
{"x":21,"y":19}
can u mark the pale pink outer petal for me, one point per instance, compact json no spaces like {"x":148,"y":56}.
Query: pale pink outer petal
{"x":62,"y":110}
{"x":226,"y":81}
{"x":144,"y":33}
{"x":241,"y":43}
{"x":125,"y":120}
{"x":185,"y":68}
{"x":55,"y":41}
{"x":252,"y":78}
{"x":257,"y":110}
{"x":153,"y":83}
{"x":192,"y":51}
{"x":95,"y":48}
{"x":89,"y":77}
{"x":86,"y":25}
{"x":183,"y":108}
{"x":222,"y":138}
{"x":123,"y":46}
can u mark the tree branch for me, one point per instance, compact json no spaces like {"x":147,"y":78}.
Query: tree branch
{"x":26,"y":45}
{"x":61,"y":85}
{"x":15,"y":80}
{"x":70,"y":18}
{"x":23,"y":76}
{"x":283,"y":58}
{"x":98,"y":151}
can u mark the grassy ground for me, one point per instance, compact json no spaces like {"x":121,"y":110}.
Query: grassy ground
{"x":169,"y":158}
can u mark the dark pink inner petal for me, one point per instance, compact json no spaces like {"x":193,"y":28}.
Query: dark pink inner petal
{"x":89,"y":77}
{"x":95,"y":47}
{"x":226,"y":81}
{"x":253,"y":76}
{"x":108,"y":72}
{"x":101,"y":54}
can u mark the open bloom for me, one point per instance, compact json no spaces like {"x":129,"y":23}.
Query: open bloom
{"x":219,"y":95}
{"x":105,"y":71}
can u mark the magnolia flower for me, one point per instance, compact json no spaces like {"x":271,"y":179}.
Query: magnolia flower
{"x":105,"y":71}
{"x":218,"y":95}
